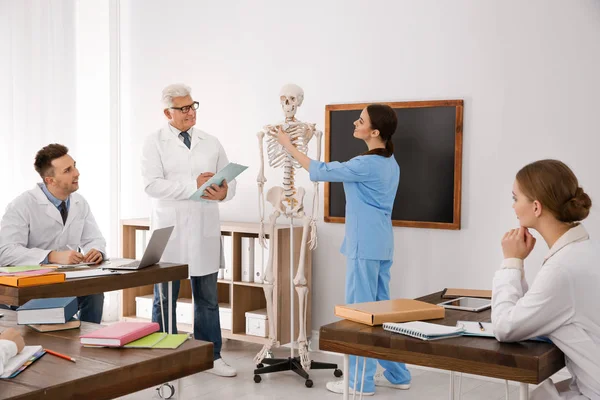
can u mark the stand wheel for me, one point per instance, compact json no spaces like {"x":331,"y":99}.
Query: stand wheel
{"x":257,"y":378}
{"x":269,"y":354}
{"x":165,"y":391}
{"x":337,"y":373}
{"x":308,"y":383}
{"x":260,"y":365}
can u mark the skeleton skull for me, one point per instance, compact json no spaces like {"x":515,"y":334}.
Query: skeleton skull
{"x":291,"y":97}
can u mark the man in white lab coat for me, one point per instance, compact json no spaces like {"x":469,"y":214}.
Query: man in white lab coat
{"x":51,"y":224}
{"x":176,"y":161}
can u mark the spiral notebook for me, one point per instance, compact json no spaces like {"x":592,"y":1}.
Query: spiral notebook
{"x":424,"y":330}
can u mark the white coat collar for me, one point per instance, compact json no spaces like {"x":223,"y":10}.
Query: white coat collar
{"x":52,"y":211}
{"x":573,"y":235}
{"x":171,"y":133}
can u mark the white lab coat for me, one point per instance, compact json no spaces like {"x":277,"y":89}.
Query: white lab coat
{"x":32,"y":227}
{"x":562,"y":304}
{"x":170,"y":170}
{"x":8,"y":349}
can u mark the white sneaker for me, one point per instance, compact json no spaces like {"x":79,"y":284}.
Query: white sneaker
{"x":381,"y":380}
{"x":338,"y":387}
{"x":221,"y":368}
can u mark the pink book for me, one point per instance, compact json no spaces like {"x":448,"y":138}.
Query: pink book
{"x":119,"y":334}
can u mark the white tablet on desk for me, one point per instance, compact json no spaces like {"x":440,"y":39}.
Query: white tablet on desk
{"x":467,"y":304}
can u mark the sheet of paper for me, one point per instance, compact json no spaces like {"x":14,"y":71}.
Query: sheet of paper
{"x":228,"y":173}
{"x":74,"y":265}
{"x":472,"y":328}
{"x":88,"y":273}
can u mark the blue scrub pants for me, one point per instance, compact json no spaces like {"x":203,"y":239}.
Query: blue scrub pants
{"x":369,"y":280}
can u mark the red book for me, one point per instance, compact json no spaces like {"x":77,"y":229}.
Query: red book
{"x":119,"y":334}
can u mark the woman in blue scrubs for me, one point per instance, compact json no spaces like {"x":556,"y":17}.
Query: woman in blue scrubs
{"x":370,"y":183}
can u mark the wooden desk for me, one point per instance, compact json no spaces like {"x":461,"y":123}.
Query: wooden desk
{"x":100,"y":373}
{"x":162,"y":272}
{"x":525,"y":362}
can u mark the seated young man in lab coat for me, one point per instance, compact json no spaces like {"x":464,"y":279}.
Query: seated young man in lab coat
{"x":11,"y":343}
{"x":51,"y":224}
{"x":562,"y":302}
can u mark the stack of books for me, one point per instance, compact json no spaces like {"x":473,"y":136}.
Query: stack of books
{"x":48,"y":315}
{"x":29,"y":275}
{"x":140,"y":335}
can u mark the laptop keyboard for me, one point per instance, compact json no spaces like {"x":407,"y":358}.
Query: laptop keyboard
{"x":133,"y":264}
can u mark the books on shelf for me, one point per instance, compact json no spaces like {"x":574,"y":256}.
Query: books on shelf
{"x":424,"y":330}
{"x":247,"y":259}
{"x":57,"y":310}
{"x":119,"y":334}
{"x":261,"y":256}
{"x":25,"y":358}
{"x":227,"y":257}
{"x":397,"y":310}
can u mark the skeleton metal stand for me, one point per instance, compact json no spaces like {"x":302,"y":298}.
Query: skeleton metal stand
{"x":292,"y":363}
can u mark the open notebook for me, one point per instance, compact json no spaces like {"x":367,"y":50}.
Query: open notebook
{"x":25,"y":358}
{"x":424,"y":330}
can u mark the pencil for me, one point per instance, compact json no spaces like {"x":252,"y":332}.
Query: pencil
{"x":481,"y":327}
{"x":54,"y":353}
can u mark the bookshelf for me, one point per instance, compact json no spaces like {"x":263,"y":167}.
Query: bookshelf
{"x":240,"y":296}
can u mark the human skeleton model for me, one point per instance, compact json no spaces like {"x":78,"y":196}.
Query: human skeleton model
{"x":287,"y":201}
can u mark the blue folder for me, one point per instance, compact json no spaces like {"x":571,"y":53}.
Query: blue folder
{"x":228,"y":173}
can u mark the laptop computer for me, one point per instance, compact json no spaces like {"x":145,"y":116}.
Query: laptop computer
{"x":152,"y":254}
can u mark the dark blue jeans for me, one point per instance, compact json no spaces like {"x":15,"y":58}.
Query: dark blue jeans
{"x":90,"y":307}
{"x":207,"y":325}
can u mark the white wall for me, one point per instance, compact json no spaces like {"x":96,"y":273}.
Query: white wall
{"x":528,"y":72}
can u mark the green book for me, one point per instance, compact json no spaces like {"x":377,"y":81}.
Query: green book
{"x":158,"y":340}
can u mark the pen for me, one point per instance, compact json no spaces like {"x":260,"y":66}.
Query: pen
{"x":481,"y":327}
{"x":54,"y":353}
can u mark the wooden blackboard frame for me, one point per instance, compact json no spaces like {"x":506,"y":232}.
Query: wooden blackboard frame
{"x":458,"y":141}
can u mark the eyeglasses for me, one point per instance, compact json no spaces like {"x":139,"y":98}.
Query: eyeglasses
{"x":186,"y":109}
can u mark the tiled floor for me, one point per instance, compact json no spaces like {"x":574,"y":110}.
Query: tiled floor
{"x":426,"y":384}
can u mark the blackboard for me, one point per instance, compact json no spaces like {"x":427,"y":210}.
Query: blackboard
{"x":428,"y":148}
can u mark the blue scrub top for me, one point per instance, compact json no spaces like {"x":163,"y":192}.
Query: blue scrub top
{"x":370,"y":183}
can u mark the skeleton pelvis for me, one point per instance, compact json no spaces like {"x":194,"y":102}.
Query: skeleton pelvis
{"x":286,"y":204}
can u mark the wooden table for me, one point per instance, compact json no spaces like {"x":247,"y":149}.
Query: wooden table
{"x":99,"y":373}
{"x":162,"y":272}
{"x":525,"y":362}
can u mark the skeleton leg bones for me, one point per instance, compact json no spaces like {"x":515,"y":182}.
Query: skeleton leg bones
{"x":273,"y":196}
{"x":300,"y":284}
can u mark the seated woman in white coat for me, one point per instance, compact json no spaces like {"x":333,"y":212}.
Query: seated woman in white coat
{"x":11,"y":344}
{"x":562,"y":302}
{"x":51,"y":224}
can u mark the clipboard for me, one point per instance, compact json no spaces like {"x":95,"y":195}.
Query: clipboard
{"x":228,"y":173}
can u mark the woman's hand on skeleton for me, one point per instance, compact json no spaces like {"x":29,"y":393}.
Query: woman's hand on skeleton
{"x":283,"y":138}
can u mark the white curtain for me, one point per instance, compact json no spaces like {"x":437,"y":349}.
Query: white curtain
{"x":54,"y":88}
{"x":37,"y":87}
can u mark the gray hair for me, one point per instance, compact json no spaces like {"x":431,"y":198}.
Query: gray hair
{"x":174,"y":90}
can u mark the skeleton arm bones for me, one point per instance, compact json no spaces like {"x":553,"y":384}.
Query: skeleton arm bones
{"x":260,"y":179}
